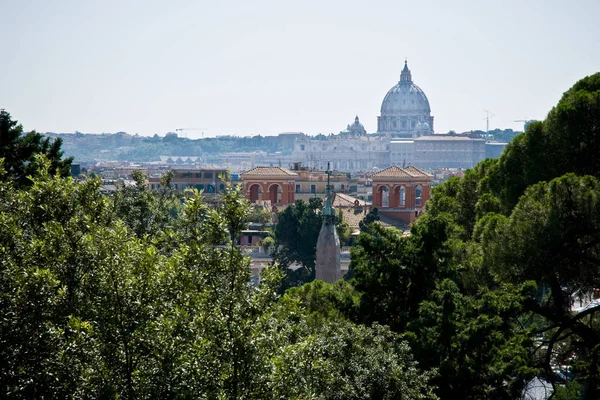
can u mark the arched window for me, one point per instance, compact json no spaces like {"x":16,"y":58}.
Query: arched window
{"x":385,"y":196}
{"x":418,"y":193}
{"x":402,"y":196}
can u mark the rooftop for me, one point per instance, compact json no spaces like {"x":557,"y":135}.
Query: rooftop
{"x":269,"y":171}
{"x":444,"y":137}
{"x":344,"y":200}
{"x":397,"y":172}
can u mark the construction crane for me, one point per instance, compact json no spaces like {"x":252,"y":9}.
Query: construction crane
{"x":184,"y":130}
{"x":487,"y":121}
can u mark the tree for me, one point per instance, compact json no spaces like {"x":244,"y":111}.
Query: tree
{"x":335,"y":359}
{"x":19,"y":151}
{"x":145,"y":212}
{"x":553,"y":236}
{"x":396,"y":273}
{"x":475,"y":342}
{"x":296,"y":236}
{"x":260,"y":215}
{"x":372,"y":216}
{"x":88,"y":308}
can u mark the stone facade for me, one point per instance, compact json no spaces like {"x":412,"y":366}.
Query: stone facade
{"x":327,"y":263}
{"x":351,"y":150}
{"x":328,"y":254}
{"x":448,"y":151}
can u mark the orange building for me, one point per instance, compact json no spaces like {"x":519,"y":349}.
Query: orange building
{"x":401,"y":193}
{"x":269,"y":184}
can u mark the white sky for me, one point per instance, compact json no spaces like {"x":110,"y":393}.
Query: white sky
{"x":265,"y":67}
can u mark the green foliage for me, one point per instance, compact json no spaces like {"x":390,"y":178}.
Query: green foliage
{"x":91,"y":307}
{"x":396,"y":273}
{"x":344,"y":361}
{"x":296,"y":236}
{"x":144,"y":212}
{"x":19,"y":151}
{"x":342,"y":229}
{"x":327,"y":301}
{"x":259,"y":215}
{"x":474,"y":341}
{"x":372,"y":216}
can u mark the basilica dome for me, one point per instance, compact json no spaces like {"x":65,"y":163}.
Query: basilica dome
{"x":403,"y":107}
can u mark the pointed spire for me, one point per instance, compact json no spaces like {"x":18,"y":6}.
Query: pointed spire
{"x":328,"y":206}
{"x":356,"y":120}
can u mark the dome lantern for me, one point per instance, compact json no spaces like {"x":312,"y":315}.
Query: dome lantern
{"x":405,"y":75}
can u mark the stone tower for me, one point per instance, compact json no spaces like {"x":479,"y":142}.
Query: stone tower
{"x":328,"y":244}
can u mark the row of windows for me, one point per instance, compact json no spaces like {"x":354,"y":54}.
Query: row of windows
{"x":313,"y":188}
{"x":208,"y":189}
{"x":207,"y":175}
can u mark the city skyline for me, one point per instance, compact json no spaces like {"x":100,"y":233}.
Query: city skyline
{"x":266,"y":68}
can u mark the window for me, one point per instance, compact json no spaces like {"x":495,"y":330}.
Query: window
{"x":313,"y":188}
{"x":221,"y":186}
{"x":297,"y":188}
{"x":402,"y":196}
{"x":301,"y":147}
{"x":176,"y":186}
{"x":200,"y":187}
{"x":198,"y":174}
{"x":152,"y":186}
{"x":210,"y":188}
{"x":418,"y":193}
{"x":208,"y":175}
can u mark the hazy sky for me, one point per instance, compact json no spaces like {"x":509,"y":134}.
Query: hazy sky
{"x":265,"y":67}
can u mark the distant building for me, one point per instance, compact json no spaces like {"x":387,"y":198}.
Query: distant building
{"x":210,"y":181}
{"x":401,"y":193}
{"x":402,"y":152}
{"x":494,"y":149}
{"x":448,"y":151}
{"x":313,"y":183}
{"x":351,"y":150}
{"x":180,"y":160}
{"x":273,"y":185}
{"x":405,"y":109}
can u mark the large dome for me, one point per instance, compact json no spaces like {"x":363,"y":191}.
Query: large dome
{"x":403,"y":107}
{"x":405,"y":99}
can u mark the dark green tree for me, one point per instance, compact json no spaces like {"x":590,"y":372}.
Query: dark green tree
{"x":19,"y":151}
{"x":296,"y":236}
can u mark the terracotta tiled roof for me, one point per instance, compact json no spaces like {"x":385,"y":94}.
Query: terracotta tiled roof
{"x":352,"y":217}
{"x":397,"y":172}
{"x":417,"y":171}
{"x":344,"y":200}
{"x":269,"y":171}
